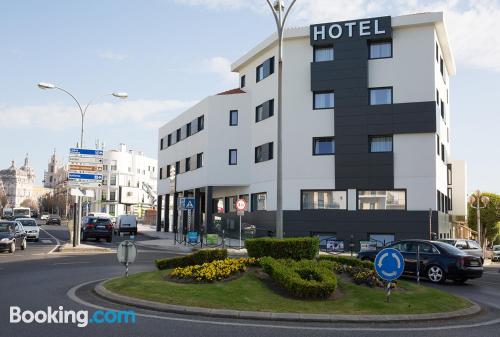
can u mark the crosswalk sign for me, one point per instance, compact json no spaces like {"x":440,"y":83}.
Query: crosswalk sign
{"x":187,"y":203}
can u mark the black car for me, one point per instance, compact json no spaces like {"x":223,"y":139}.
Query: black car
{"x":12,"y":236}
{"x":53,"y":219}
{"x":439,"y":261}
{"x":97,"y":228}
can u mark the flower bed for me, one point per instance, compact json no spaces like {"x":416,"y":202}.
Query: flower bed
{"x":199,"y":257}
{"x":212,"y":271}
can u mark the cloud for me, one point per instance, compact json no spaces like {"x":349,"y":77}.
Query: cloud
{"x":113,"y":56}
{"x":56,"y":116}
{"x":221,"y":67}
{"x":473,"y":25}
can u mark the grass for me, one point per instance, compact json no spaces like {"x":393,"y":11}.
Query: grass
{"x":250,"y":293}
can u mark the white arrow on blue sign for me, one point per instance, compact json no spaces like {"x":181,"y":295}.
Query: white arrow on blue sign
{"x":88,"y":152}
{"x":389,"y":264}
{"x":85,"y":176}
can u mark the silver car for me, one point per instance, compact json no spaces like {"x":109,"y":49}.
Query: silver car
{"x":471,"y":247}
{"x":496,"y":254}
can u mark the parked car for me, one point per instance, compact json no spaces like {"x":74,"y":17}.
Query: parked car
{"x":53,"y":219}
{"x":126,"y":224}
{"x":31,"y":228}
{"x":97,"y":228}
{"x":45,"y":216}
{"x":469,"y":246}
{"x":439,"y":261}
{"x":12,"y":236}
{"x":496,"y":253}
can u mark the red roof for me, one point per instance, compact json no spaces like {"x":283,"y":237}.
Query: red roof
{"x":232,"y":92}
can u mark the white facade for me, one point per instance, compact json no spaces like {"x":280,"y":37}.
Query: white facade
{"x":18,"y":183}
{"x":419,"y":45}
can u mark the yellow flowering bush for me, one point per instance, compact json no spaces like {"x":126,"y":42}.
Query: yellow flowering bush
{"x":212,"y":271}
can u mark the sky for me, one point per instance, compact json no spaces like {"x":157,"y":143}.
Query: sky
{"x":169,"y":54}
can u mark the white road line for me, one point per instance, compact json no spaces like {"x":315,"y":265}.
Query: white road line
{"x":46,"y":241}
{"x":58,"y":243}
{"x":66,"y":263}
{"x":72,"y":295}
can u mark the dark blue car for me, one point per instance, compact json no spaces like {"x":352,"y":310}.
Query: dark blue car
{"x":12,"y":236}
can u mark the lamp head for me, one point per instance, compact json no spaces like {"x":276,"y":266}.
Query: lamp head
{"x":44,"y":85}
{"x":121,"y":95}
{"x":278,"y":4}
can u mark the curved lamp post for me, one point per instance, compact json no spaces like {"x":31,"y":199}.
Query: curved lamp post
{"x":280,"y":16}
{"x":83,"y":112}
{"x":477,"y":198}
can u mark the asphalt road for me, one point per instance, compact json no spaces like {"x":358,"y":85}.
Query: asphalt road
{"x":34,"y":282}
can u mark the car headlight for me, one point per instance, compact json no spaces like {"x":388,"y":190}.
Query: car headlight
{"x":5,"y":240}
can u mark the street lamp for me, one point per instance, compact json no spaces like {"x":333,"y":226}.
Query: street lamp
{"x":280,"y":16}
{"x":478,"y":199}
{"x":45,"y":86}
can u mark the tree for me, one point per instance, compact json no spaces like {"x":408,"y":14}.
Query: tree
{"x":490,"y":218}
{"x":3,"y":199}
{"x":29,"y":203}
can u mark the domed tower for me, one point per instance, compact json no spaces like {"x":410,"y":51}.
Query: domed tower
{"x":30,"y":172}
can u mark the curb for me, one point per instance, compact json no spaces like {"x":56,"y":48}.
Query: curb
{"x":102,"y":292}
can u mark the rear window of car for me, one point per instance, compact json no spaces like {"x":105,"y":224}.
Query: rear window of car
{"x":473,"y":244}
{"x":98,"y":221}
{"x":452,"y":250}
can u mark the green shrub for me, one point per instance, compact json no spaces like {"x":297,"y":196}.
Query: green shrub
{"x":346,"y":260}
{"x":303,"y":279}
{"x":199,"y":257}
{"x":289,"y":248}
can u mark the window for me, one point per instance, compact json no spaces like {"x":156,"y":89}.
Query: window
{"x":113,"y":180}
{"x":178,"y":135}
{"x":437,"y":52}
{"x":380,"y":143}
{"x":438,"y":145}
{"x":381,"y":240}
{"x":233,"y":157}
{"x":112,"y":196}
{"x":199,"y":160}
{"x":233,"y":117}
{"x":450,"y":198}
{"x":259,"y":201}
{"x":380,"y":96}
{"x":177,"y":168}
{"x":201,"y":123}
{"x":426,"y":248}
{"x":323,"y":146}
{"x":111,"y":209}
{"x":169,"y":140}
{"x":161,"y":144}
{"x":169,"y":168}
{"x":441,"y":66}
{"x":382,"y":200}
{"x":231,"y":203}
{"x":161,"y":173}
{"x":442,"y":110}
{"x":324,"y":100}
{"x":327,"y":199}
{"x":323,"y":53}
{"x":242,"y":81}
{"x":449,"y":176}
{"x":264,"y":152}
{"x":188,"y":130}
{"x":437,"y":97}
{"x":442,"y":153}
{"x":188,"y":164}
{"x":380,"y":49}
{"x":264,"y":111}
{"x":265,"y":69}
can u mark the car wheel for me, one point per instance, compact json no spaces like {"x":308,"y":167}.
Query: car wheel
{"x":12,"y":247}
{"x":435,"y":274}
{"x":24,"y":244}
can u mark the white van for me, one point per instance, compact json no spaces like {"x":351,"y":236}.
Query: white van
{"x":126,"y":223}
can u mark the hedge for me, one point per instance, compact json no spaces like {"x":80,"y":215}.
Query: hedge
{"x":303,"y":279}
{"x":199,"y":257}
{"x":346,"y":260}
{"x":289,"y":248}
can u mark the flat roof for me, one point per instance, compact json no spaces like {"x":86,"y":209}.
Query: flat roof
{"x":420,"y":19}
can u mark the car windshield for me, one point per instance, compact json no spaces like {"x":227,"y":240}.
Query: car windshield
{"x":496,"y":248}
{"x":452,"y":250}
{"x":28,"y":223}
{"x":5,"y":227}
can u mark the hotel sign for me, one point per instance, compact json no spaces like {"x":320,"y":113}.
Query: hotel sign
{"x":358,"y":29}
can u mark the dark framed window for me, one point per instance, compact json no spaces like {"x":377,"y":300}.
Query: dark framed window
{"x":242,"y":81}
{"x":177,"y":167}
{"x":323,"y":199}
{"x":161,"y":173}
{"x":382,"y":200}
{"x":179,"y":135}
{"x":379,"y":96}
{"x":264,"y":111}
{"x":449,"y":176}
{"x":442,"y":153}
{"x":199,"y":160}
{"x":437,"y":96}
{"x":201,"y":123}
{"x":233,"y":117}
{"x":442,"y":110}
{"x":437,"y":52}
{"x":438,"y":145}
{"x":380,"y":143}
{"x":169,"y":168}
{"x":323,"y":146}
{"x":323,"y":53}
{"x":264,"y":152}
{"x":265,"y":69}
{"x":188,"y":129}
{"x":169,"y":140}
{"x":161,"y":144}
{"x":259,"y":202}
{"x":324,"y":100}
{"x":188,"y":165}
{"x":380,"y":49}
{"x":450,"y":198}
{"x":441,"y":66}
{"x":233,"y":156}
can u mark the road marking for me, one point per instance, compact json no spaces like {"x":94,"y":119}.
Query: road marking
{"x":66,"y":263}
{"x":72,"y":295}
{"x":58,"y":243}
{"x":46,"y":241}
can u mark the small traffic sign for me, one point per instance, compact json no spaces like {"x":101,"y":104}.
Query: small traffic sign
{"x":389,"y":264}
{"x":126,"y":252}
{"x":187,"y":203}
{"x":241,"y":204}
{"x":88,"y":152}
{"x":85,"y":176}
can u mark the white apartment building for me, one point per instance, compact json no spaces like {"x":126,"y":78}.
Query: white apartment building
{"x":366,"y":136}
{"x":17,"y":183}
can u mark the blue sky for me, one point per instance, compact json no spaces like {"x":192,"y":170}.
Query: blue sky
{"x":168,"y":54}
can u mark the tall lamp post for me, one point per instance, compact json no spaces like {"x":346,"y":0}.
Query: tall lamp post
{"x":477,"y":198}
{"x":280,"y":16}
{"x":83,"y":112}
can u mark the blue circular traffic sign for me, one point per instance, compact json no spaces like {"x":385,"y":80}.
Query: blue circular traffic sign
{"x":389,"y":264}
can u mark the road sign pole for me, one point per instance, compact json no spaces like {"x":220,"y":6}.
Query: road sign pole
{"x":240,"y":231}
{"x":75,"y":217}
{"x":418,"y":264}
{"x":388,"y":291}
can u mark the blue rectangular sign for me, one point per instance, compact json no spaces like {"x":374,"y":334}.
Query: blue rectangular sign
{"x":188,"y":203}
{"x":90,"y":152}
{"x":192,"y":237}
{"x":85,"y":176}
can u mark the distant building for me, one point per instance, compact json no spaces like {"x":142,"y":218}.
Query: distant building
{"x":50,"y":176}
{"x":18,"y":183}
